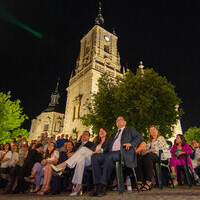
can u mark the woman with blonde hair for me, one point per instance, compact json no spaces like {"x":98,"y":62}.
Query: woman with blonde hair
{"x":149,"y":156}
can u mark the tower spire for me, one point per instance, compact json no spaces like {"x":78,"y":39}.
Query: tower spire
{"x":57,"y":85}
{"x":99,"y":19}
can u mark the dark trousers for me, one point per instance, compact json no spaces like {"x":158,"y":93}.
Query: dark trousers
{"x":103,"y":165}
{"x":14,"y":175}
{"x":145,"y":166}
{"x":21,"y":183}
{"x":2,"y":171}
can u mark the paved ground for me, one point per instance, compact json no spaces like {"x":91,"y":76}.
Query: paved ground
{"x":179,"y":193}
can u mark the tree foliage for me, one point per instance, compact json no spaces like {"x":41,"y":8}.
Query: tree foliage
{"x":192,"y":133}
{"x":144,"y":99}
{"x":11,"y":116}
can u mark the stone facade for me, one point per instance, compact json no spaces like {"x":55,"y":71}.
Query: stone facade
{"x":50,"y":122}
{"x":98,"y":54}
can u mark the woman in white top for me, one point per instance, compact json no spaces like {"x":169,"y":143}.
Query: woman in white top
{"x":82,"y":159}
{"x":5,"y":159}
{"x":149,"y":156}
{"x":13,"y":161}
{"x":50,"y":157}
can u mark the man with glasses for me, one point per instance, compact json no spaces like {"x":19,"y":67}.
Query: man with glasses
{"x":103,"y":164}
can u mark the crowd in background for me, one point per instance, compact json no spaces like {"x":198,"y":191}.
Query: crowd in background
{"x":55,"y":164}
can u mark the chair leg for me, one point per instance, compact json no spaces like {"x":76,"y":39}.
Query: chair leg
{"x":120,"y":180}
{"x":159,"y":175}
{"x":136,"y":181}
{"x":187,"y":174}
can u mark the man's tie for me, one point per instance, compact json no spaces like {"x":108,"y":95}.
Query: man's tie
{"x":116,"y":136}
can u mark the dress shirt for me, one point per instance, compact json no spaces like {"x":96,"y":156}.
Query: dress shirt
{"x":117,"y":143}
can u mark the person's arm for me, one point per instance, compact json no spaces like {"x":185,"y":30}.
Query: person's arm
{"x":187,"y":149}
{"x":136,"y":137}
{"x":6,"y":158}
{"x":16,"y":159}
{"x":140,"y":147}
{"x":172,"y":151}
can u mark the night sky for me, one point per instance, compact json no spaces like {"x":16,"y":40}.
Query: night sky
{"x":163,"y":34}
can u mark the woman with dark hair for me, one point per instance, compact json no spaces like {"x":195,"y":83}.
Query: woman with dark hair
{"x":149,"y":156}
{"x":49,"y":171}
{"x":51,"y":157}
{"x":5,"y":159}
{"x":178,"y":151}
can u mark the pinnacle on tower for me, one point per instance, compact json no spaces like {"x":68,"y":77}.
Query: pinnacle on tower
{"x":99,"y":19}
{"x":141,"y":66}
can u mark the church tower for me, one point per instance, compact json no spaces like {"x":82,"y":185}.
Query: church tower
{"x":50,"y":120}
{"x":98,"y":54}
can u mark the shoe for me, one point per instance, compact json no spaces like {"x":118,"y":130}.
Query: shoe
{"x":173,"y":176}
{"x":173,"y":186}
{"x":79,"y":191}
{"x":56,"y":169}
{"x":95,"y":191}
{"x":146,"y":187}
{"x":54,"y":192}
{"x":140,"y":185}
{"x":29,"y":179}
{"x":102,"y":190}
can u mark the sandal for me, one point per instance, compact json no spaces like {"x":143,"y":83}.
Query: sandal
{"x":173,"y":176}
{"x":146,"y":187}
{"x":140,"y":185}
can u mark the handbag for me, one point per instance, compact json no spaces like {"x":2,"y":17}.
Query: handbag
{"x":166,"y":155}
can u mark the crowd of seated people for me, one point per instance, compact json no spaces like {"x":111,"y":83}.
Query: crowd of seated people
{"x":50,"y":165}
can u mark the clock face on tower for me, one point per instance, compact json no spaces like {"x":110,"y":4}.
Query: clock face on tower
{"x":106,"y":38}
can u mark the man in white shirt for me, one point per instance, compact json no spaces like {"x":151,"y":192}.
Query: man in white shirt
{"x":127,"y":137}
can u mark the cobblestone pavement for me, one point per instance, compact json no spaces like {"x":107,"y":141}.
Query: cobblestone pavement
{"x":179,"y":193}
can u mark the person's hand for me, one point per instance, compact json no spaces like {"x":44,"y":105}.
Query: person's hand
{"x":70,"y":154}
{"x":98,"y":151}
{"x":144,"y":152}
{"x":43,"y":162}
{"x":127,"y":145}
{"x":152,"y":150}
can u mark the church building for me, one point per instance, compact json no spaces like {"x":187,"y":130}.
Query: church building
{"x":50,"y":120}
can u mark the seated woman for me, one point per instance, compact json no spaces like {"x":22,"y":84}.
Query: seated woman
{"x":178,"y":158}
{"x":5,"y":158}
{"x":14,"y":160}
{"x":49,"y":171}
{"x":82,"y":158}
{"x":51,"y":157}
{"x":149,"y":156}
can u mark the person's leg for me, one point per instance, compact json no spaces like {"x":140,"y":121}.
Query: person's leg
{"x":21,"y":186}
{"x":79,"y":169}
{"x":148,"y":164}
{"x":37,"y":170}
{"x":14,"y":175}
{"x":48,"y":176}
{"x":139,"y":171}
{"x":97,"y":161}
{"x":110,"y":159}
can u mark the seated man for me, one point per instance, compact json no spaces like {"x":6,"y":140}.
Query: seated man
{"x":34,"y":156}
{"x":127,"y":137}
{"x":195,"y":158}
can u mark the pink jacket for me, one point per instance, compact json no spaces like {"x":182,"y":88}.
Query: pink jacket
{"x":187,"y":149}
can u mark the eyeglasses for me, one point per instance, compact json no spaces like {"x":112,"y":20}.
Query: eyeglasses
{"x":119,"y":120}
{"x":153,"y":130}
